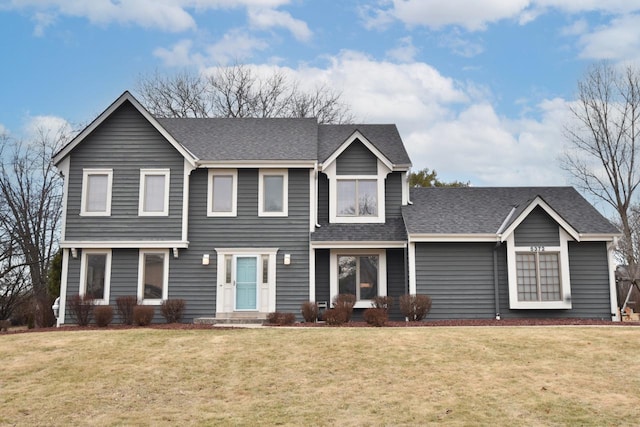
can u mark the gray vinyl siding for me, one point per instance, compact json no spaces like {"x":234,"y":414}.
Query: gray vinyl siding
{"x":397,"y":284}
{"x":197,"y":283}
{"x":537,"y":229}
{"x":393,"y":195}
{"x":458,"y":277}
{"x":357,"y":160}
{"x":323,"y":198}
{"x":589,"y":277}
{"x":125,"y":142}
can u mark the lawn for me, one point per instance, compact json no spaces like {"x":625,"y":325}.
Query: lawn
{"x":518,"y":376}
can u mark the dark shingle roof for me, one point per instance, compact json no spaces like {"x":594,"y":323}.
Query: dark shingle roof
{"x":393,"y":230}
{"x":220,"y":139}
{"x":482,"y":210}
{"x":384,"y":137}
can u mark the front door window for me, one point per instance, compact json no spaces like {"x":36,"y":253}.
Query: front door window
{"x":246,"y":283}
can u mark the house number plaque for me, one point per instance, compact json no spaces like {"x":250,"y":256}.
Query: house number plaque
{"x":537,"y":248}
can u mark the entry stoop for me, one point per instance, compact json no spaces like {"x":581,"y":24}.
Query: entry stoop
{"x":230,"y":319}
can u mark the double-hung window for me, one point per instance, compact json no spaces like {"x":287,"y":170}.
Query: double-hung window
{"x":153,"y":276}
{"x":273,"y":190}
{"x":357,"y":197}
{"x":222,"y":193}
{"x":154,"y":192}
{"x":95,"y":274}
{"x":96,"y":192}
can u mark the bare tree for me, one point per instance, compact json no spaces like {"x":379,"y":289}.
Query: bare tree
{"x":603,"y":137}
{"x":30,"y":209}
{"x":238,"y":91}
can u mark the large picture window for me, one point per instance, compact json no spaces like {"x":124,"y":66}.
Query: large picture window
{"x":358,"y":275}
{"x":95,"y":275}
{"x":96,"y":192}
{"x":153,"y":276}
{"x":222,"y":192}
{"x":154,"y":192}
{"x":273,"y":193}
{"x":357,"y":197}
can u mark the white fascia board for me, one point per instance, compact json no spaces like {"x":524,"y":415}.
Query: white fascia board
{"x":453,"y":238}
{"x":357,"y":135}
{"x":125,"y":244}
{"x":264,"y":164}
{"x":538,"y":201}
{"x":595,"y":237}
{"x":126,"y":96}
{"x":359,"y":245}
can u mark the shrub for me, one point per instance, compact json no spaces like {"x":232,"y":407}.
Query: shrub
{"x":125,"y":308}
{"x":345,"y":303}
{"x":172,"y":310}
{"x":103,"y":315}
{"x":335,"y":316}
{"x":415,"y":307}
{"x":309,"y":311}
{"x":383,"y":302}
{"x":81,"y":307}
{"x":376,"y":316}
{"x":281,"y":319}
{"x":143,"y":314}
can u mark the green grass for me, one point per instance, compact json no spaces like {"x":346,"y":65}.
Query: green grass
{"x":518,"y":376}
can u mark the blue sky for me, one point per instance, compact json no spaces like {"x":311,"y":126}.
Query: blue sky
{"x":479,"y":89}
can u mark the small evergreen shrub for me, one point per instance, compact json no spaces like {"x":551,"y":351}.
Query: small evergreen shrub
{"x":344,"y":303}
{"x":103,"y":315}
{"x":125,"y":308}
{"x":281,"y":319}
{"x":143,"y":314}
{"x":336,"y":316}
{"x":415,"y":307}
{"x":172,"y":310}
{"x":309,"y":311}
{"x":81,"y":307}
{"x":376,"y":316}
{"x":384,"y":302}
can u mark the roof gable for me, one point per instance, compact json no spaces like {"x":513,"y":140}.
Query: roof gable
{"x":357,"y":136}
{"x":527,"y":209}
{"x":124,"y":98}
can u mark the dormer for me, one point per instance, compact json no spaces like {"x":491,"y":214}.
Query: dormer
{"x":357,"y":171}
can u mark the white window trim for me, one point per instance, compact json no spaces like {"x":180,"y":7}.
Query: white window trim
{"x":382,"y":272}
{"x":565,"y":276}
{"x":107,"y":274}
{"x":167,"y":177}
{"x":85,"y":189}
{"x":165,"y":277}
{"x":285,"y":191}
{"x":234,"y":191}
{"x":383,"y":171}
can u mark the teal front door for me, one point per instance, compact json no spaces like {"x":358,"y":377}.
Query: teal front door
{"x":246,"y":283}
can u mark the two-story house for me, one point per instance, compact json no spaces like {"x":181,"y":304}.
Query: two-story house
{"x":242,"y":217}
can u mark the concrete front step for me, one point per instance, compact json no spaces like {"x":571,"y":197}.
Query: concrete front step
{"x":228,"y":321}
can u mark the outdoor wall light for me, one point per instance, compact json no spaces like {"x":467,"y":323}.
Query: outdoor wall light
{"x":74,"y":253}
{"x":205,"y":259}
{"x":287,"y":259}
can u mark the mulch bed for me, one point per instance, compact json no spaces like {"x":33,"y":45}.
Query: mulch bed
{"x":354,"y":324}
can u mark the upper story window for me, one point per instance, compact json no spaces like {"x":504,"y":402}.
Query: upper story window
{"x":96,"y":192}
{"x":95,"y":274}
{"x":222,"y":193}
{"x":154,"y":192}
{"x":273,"y":189}
{"x":357,"y":197}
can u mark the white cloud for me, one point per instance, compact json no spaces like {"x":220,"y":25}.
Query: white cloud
{"x":404,"y":52}
{"x":269,"y":18}
{"x":3,"y":130}
{"x":618,"y":40}
{"x":447,"y":125}
{"x":236,"y":45}
{"x":36,"y":125}
{"x":178,"y":55}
